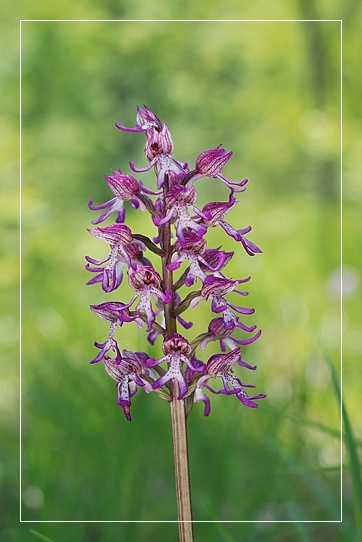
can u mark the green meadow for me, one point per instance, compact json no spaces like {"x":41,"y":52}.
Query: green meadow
{"x":271,"y":93}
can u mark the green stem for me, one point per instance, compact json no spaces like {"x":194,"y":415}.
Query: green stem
{"x":182,"y":474}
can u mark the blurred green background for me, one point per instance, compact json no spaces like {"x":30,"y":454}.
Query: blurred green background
{"x":269,"y":91}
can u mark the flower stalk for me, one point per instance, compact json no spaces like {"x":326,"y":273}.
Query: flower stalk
{"x":178,"y":414}
{"x":167,"y":275}
{"x":178,"y":376}
{"x":181,"y":462}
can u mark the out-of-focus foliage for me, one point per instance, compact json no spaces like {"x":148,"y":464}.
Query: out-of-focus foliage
{"x":269,"y":91}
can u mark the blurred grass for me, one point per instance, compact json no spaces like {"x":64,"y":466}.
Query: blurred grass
{"x":352,"y":448}
{"x":251,"y":87}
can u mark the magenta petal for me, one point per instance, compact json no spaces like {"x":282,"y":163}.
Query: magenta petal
{"x":136,"y":128}
{"x":173,"y":266}
{"x":249,"y":341}
{"x":160,"y":381}
{"x":167,"y":297}
{"x":141,"y":169}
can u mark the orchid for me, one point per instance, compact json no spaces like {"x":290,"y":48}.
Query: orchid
{"x":159,"y":146}
{"x":159,"y":264}
{"x":209,"y":164}
{"x":115,"y":313}
{"x":177,"y":202}
{"x":216,"y":212}
{"x":220,"y":365}
{"x":111,"y":275}
{"x":127,"y":372}
{"x":220,"y":331}
{"x":176,"y":349}
{"x":146,"y":281}
{"x":124,"y":187}
{"x":118,"y":236}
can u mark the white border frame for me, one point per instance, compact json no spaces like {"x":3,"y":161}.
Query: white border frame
{"x":341,"y":259}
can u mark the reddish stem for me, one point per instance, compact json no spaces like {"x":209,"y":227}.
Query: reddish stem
{"x":178,"y":414}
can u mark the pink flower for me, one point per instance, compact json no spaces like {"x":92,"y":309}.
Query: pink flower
{"x":209,"y":164}
{"x":178,"y":201}
{"x":176,"y":349}
{"x":117,"y":314}
{"x":124,"y":187}
{"x":119,"y":237}
{"x":220,"y":366}
{"x":155,"y":303}
{"x":146,"y":281}
{"x":128,"y":375}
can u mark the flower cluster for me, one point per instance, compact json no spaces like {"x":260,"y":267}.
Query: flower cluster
{"x":179,"y":236}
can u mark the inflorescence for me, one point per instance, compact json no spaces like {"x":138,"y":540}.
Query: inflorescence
{"x":156,"y":304}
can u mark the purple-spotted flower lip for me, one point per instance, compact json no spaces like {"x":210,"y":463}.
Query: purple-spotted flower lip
{"x":221,"y":366}
{"x":119,"y":237}
{"x":239,"y":235}
{"x":221,"y":330}
{"x":111,"y":275}
{"x":215,"y":289}
{"x":126,"y":372}
{"x":215,"y":213}
{"x":234,"y":386}
{"x":177,"y":351}
{"x":117,"y":314}
{"x":249,"y":401}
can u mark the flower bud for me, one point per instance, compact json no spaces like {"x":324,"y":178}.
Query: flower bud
{"x":113,"y":234}
{"x":111,"y":311}
{"x":210,"y":163}
{"x":158,"y":143}
{"x":193,"y":243}
{"x":122,"y":185}
{"x":143,"y":276}
{"x":146,"y":119}
{"x":176,"y":343}
{"x":119,"y":370}
{"x":214,"y":286}
{"x":220,"y":364}
{"x":180,"y":193}
{"x":217,"y":210}
{"x":218,"y":330}
{"x":212,"y":258}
